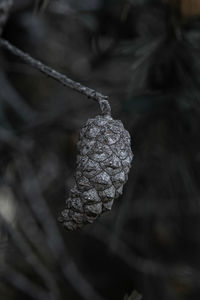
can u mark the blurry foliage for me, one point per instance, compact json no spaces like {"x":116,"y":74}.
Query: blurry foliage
{"x":146,"y":58}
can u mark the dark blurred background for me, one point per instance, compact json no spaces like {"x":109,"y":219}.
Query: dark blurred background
{"x":144,"y":54}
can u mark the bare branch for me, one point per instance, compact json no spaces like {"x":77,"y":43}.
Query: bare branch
{"x":63,"y":79}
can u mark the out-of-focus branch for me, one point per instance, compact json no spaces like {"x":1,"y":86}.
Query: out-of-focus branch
{"x":63,"y":79}
{"x":56,"y":244}
{"x":21,"y":282}
{"x":42,"y":213}
{"x":33,"y":260}
{"x":40,"y":6}
{"x":134,"y":296}
{"x":5,"y":6}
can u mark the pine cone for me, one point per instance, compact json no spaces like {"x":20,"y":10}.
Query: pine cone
{"x":103,"y":164}
{"x":5,"y":6}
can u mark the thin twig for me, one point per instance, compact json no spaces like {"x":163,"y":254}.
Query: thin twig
{"x":63,"y":79}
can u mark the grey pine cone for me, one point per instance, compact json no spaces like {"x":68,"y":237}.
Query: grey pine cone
{"x":103,"y":164}
{"x":5,"y":6}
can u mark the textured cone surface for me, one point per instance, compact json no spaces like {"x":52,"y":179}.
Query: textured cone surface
{"x":5,"y":6}
{"x":103,"y":164}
